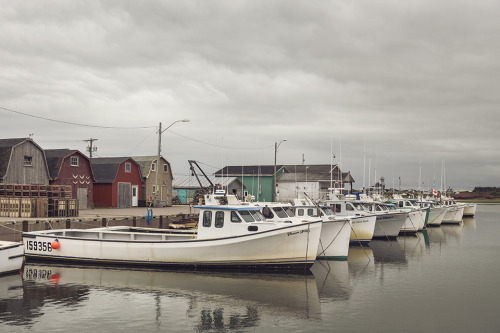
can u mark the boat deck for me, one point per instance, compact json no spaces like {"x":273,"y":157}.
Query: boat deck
{"x":122,"y":234}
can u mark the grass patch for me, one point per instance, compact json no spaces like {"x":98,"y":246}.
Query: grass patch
{"x":491,"y":201}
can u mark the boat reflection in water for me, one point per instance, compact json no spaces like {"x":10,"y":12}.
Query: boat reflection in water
{"x":11,"y":298}
{"x":451,"y":233}
{"x":332,"y":279}
{"x":388,"y":252}
{"x":469,"y":223}
{"x":220,"y":300}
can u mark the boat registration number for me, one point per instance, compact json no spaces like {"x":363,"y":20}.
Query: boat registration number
{"x":32,"y":245}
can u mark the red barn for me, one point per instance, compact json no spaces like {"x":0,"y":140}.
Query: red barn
{"x":71,"y":167}
{"x":118,"y":182}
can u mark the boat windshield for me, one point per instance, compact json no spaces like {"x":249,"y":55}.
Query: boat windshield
{"x":358,"y":206}
{"x":328,"y":211}
{"x":246,"y":216}
{"x":289,"y":211}
{"x":257,"y":215}
{"x":280,"y":212}
{"x":383,"y":208}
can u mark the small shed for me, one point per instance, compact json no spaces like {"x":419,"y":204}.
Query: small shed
{"x":71,"y":167}
{"x":22,"y":161}
{"x":148,"y":170}
{"x":118,"y":182}
{"x":185,"y":187}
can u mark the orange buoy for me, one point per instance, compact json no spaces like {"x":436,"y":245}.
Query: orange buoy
{"x":54,"y":278}
{"x":55,"y":244}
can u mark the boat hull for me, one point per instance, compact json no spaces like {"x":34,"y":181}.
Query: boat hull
{"x":436,"y":216}
{"x":454,"y":214}
{"x":470,"y":209}
{"x":362,"y":229}
{"x":11,"y":257}
{"x":334,"y":240}
{"x":388,"y":225}
{"x":290,"y":247}
{"x":413,"y":220}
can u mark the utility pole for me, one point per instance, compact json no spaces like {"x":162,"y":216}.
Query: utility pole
{"x":91,"y":148}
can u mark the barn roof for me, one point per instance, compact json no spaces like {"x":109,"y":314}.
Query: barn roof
{"x":6,"y":146}
{"x":55,"y":157}
{"x":146,"y":161}
{"x":106,"y":168}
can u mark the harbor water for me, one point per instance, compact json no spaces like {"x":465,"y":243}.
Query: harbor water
{"x":445,"y":279}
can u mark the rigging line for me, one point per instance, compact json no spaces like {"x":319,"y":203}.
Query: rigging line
{"x":71,"y":123}
{"x":219,"y":146}
{"x":140,"y":143}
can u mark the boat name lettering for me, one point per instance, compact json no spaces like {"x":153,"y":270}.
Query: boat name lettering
{"x":291,"y":233}
{"x":33,"y":273}
{"x":33,"y":245}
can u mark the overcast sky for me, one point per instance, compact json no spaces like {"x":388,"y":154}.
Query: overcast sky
{"x":386,"y":86}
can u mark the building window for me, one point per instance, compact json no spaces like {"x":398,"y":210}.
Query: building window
{"x":128,"y":167}
{"x":153,"y":166}
{"x":74,"y":161}
{"x":154,"y":189}
{"x":219,"y":219}
{"x":165,"y":167}
{"x":207,"y":218}
{"x":28,"y":161}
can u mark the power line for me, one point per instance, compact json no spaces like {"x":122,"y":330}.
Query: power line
{"x":219,"y":146}
{"x":71,"y":123}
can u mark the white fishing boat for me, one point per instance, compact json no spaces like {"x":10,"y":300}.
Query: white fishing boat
{"x":226,"y":236}
{"x":436,"y":212}
{"x":455,"y":211}
{"x":417,"y":216}
{"x":362,"y":223}
{"x":470,"y":209}
{"x":11,"y":257}
{"x":388,"y":223}
{"x":335,"y":233}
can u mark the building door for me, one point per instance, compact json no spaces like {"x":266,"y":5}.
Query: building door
{"x":135,"y":196}
{"x":183,"y":196}
{"x":124,"y":195}
{"x":82,"y":196}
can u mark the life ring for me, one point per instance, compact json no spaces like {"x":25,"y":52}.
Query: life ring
{"x":150,"y":198}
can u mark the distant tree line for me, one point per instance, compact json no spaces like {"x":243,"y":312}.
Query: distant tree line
{"x":488,"y":190}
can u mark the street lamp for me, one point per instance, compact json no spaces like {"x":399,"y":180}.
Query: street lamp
{"x":276,"y":146}
{"x":160,"y":132}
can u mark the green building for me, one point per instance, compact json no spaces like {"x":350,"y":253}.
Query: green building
{"x":258,"y":179}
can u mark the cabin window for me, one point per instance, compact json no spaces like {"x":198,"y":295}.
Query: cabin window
{"x":153,"y":166}
{"x":289,"y":211}
{"x":28,"y":161}
{"x":245,"y":214}
{"x":74,"y":161}
{"x":310,"y":212}
{"x":165,"y":167}
{"x":219,"y":219}
{"x":280,"y":212}
{"x":300,"y":212}
{"x":257,"y":215}
{"x":327,"y":211}
{"x":207,"y":219}
{"x":349,"y":207}
{"x":128,"y":167}
{"x":235,"y":218}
